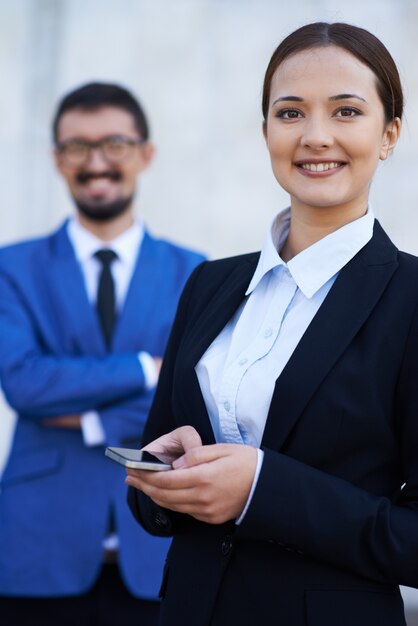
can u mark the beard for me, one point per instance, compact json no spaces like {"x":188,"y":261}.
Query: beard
{"x":98,"y":210}
{"x":104,"y":212}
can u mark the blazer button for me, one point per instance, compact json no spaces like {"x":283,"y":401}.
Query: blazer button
{"x":226,"y":546}
{"x":161,"y":520}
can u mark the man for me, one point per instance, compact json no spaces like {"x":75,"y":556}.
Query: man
{"x":84,"y":318}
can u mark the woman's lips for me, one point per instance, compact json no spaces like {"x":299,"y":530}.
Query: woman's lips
{"x":322,"y":168}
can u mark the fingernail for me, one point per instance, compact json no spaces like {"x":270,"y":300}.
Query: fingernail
{"x":179,"y":463}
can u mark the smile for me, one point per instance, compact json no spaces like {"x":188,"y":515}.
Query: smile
{"x":320,"y":167}
{"x":99,"y":182}
{"x":92,"y":177}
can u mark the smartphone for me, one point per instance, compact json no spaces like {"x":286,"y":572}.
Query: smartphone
{"x":141,"y":459}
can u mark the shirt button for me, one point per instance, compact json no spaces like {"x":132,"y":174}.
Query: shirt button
{"x":243,"y":361}
{"x":267,"y":332}
{"x":227,"y":406}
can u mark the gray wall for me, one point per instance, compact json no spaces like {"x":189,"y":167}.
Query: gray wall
{"x":197,"y":65}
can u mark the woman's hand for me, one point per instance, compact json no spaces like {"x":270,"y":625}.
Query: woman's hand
{"x":177,"y":442}
{"x":211,"y":483}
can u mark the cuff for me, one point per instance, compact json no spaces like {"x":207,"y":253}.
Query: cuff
{"x":149,"y":368}
{"x":92,"y":429}
{"x":260,"y":457}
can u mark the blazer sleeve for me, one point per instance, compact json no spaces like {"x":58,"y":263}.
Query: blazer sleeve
{"x":123,"y":422}
{"x":38,"y":384}
{"x":154,"y":519}
{"x":333,"y":521}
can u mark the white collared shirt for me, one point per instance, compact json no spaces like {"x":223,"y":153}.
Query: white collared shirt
{"x":238,"y":372}
{"x":127,"y":247}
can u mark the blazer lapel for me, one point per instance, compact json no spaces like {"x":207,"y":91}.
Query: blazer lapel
{"x":347,"y":306}
{"x":141,"y":300}
{"x":221,"y":308}
{"x":67,"y":292}
{"x":219,"y":311}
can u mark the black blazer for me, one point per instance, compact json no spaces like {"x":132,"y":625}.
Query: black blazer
{"x":332,"y":529}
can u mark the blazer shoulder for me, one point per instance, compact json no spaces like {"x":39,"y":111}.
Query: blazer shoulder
{"x":23,"y":253}
{"x":223,"y":266}
{"x":20,"y":248}
{"x":406,"y":275}
{"x":408,"y":261}
{"x":29,"y":256}
{"x":27,"y":246}
{"x":174,"y":250}
{"x":210,"y":275}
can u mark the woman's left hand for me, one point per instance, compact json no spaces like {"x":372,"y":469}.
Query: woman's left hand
{"x":211,"y":483}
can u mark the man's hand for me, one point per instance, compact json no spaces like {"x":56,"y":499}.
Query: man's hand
{"x":64,"y":421}
{"x":157,"y":362}
{"x":211,"y":483}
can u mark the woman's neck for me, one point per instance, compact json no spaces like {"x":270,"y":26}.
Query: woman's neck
{"x":307,"y":226}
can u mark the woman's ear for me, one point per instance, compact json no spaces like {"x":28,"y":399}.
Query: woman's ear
{"x":390,"y":138}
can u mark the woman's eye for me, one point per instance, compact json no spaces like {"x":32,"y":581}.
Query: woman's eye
{"x":289,"y":114}
{"x":348,"y":112}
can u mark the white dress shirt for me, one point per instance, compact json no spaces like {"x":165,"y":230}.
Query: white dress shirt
{"x":127,"y":247}
{"x":238,"y":372}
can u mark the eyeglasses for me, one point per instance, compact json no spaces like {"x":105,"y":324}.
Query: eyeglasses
{"x":114,"y":149}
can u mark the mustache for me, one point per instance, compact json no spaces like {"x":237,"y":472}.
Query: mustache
{"x":84,"y":177}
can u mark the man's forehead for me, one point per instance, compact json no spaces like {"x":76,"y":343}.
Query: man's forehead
{"x":96,"y":123}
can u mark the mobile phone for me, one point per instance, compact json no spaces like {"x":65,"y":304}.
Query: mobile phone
{"x":141,"y":459}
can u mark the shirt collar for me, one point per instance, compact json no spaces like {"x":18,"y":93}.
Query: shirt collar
{"x":315,"y":265}
{"x":126,"y":245}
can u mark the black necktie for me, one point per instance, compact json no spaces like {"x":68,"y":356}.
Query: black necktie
{"x":106,"y":294}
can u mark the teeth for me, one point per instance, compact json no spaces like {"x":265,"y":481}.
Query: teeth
{"x":320,"y":167}
{"x":98,"y":183}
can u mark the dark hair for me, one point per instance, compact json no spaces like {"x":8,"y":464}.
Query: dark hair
{"x":93,"y":96}
{"x":360,"y":43}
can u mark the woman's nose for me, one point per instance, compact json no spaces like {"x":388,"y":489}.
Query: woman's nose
{"x":317,"y":134}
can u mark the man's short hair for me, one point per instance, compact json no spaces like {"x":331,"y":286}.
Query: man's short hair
{"x":94,"y":96}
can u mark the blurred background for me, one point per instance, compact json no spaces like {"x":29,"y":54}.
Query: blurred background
{"x":197,"y":66}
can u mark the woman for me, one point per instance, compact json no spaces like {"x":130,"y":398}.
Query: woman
{"x":308,"y":355}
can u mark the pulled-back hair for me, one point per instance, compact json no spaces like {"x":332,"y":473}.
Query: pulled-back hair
{"x":359,"y":42}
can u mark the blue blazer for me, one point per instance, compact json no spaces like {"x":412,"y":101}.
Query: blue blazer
{"x":56,"y":493}
{"x":332,"y":528}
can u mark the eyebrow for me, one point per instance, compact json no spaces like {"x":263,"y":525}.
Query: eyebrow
{"x":340,"y":96}
{"x":346,"y":96}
